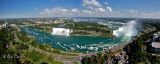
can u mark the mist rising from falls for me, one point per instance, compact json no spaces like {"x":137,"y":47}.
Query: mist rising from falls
{"x":130,"y":29}
{"x":61,"y":31}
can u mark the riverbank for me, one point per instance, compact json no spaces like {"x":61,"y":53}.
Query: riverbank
{"x":121,"y":46}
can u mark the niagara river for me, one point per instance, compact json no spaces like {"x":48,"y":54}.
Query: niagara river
{"x":85,"y":43}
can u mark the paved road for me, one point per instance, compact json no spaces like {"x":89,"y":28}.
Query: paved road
{"x":58,"y":57}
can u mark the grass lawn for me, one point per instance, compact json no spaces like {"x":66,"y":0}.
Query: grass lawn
{"x":66,"y":58}
{"x":75,"y":62}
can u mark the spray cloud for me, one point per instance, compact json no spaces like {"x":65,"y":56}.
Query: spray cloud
{"x":130,"y":29}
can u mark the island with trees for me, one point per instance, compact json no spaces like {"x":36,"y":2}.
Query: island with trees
{"x":89,"y":29}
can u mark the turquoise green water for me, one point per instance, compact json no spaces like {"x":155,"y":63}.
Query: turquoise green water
{"x":79,"y":43}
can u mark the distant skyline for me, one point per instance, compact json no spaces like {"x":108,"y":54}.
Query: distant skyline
{"x":79,"y":8}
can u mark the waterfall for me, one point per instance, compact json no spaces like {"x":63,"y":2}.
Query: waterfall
{"x":130,"y":29}
{"x":61,"y":31}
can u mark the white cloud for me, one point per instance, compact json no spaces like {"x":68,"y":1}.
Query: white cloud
{"x":106,"y":3}
{"x":109,"y":9}
{"x":59,"y":11}
{"x":91,"y":3}
{"x":75,"y":10}
{"x":151,"y":15}
{"x":87,"y":11}
{"x":132,"y":11}
{"x":46,"y":11}
{"x":95,"y":6}
{"x":137,"y":14}
{"x":90,"y":7}
{"x":101,"y":10}
{"x":36,"y":8}
{"x":54,"y":10}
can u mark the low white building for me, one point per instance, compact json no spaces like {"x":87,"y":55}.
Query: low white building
{"x":155,"y":36}
{"x":57,"y":21}
{"x":155,"y":47}
{"x":6,"y":25}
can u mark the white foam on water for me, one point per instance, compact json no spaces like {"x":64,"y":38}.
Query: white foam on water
{"x":77,"y":46}
{"x":64,"y":48}
{"x":96,"y":48}
{"x":101,"y":46}
{"x":72,"y":48}
{"x":58,"y":44}
{"x":91,"y":48}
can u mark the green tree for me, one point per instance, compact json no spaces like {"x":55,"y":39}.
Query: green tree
{"x":85,"y":60}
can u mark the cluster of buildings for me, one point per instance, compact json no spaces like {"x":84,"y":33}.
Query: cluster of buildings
{"x":42,"y":22}
{"x":121,"y":58}
{"x":60,"y":20}
{"x":50,"y":21}
{"x":155,"y":45}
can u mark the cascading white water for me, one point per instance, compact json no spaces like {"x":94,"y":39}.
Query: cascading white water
{"x":61,"y":31}
{"x":130,"y":29}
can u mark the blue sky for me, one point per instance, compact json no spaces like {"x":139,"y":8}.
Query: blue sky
{"x":79,"y":8}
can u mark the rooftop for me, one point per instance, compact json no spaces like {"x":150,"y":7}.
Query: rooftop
{"x":156,"y":44}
